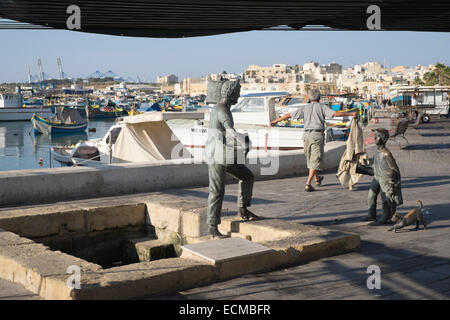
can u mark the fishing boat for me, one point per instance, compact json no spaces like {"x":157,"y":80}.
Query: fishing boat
{"x":105,"y":112}
{"x":140,"y":138}
{"x":252,"y":115}
{"x":33,"y":102}
{"x":153,"y":136}
{"x":13,"y":108}
{"x":80,"y":156}
{"x":65,"y":121}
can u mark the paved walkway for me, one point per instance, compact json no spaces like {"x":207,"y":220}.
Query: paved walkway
{"x":415,"y":264}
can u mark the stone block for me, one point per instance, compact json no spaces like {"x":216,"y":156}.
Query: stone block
{"x":8,"y":239}
{"x":144,"y":279}
{"x":193,"y":222}
{"x":145,"y":249}
{"x":102,"y":218}
{"x":187,"y":218}
{"x":29,"y":264}
{"x":163,"y":217}
{"x":43,"y":223}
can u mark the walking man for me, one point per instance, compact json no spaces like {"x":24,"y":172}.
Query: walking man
{"x":221,"y":142}
{"x":314,"y":115}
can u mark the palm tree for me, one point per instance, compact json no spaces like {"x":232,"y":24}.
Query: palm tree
{"x":439,"y":75}
{"x":418,"y":82}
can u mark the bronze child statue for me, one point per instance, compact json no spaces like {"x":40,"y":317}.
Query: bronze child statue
{"x":386,"y":180}
{"x":217,"y":151}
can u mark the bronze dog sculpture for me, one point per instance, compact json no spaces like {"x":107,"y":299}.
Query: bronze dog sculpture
{"x":415,"y":215}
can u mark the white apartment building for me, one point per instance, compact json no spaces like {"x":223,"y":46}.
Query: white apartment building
{"x":258,"y":74}
{"x":310,"y":66}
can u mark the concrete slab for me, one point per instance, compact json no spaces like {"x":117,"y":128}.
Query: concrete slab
{"x":222,"y":250}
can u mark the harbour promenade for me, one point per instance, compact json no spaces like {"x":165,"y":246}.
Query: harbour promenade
{"x":414,"y":264}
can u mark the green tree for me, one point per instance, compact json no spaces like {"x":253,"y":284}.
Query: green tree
{"x":418,"y":82}
{"x":439,"y":75}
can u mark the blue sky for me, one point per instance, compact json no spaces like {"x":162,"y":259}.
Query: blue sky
{"x":83,"y":53}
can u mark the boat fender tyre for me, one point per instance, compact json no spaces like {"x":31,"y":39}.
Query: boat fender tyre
{"x":425,"y":118}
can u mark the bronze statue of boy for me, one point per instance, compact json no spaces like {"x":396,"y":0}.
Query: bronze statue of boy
{"x":217,"y":156}
{"x":386,"y":180}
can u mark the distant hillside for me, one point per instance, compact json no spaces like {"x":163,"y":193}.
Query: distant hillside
{"x":109,"y":74}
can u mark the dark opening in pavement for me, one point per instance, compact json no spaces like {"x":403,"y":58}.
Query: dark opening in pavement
{"x":106,"y":248}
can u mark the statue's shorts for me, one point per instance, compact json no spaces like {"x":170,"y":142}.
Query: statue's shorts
{"x":313,"y":144}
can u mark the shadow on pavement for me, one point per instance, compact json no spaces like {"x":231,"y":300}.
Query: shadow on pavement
{"x":432,"y":213}
{"x":427,"y":146}
{"x":204,"y":196}
{"x":425,"y":182}
{"x":435,"y":134}
{"x":404,"y":274}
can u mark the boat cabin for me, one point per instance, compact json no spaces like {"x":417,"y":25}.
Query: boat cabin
{"x":11,"y":100}
{"x":257,"y":108}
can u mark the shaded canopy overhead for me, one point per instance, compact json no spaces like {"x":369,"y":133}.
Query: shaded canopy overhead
{"x":189,"y":18}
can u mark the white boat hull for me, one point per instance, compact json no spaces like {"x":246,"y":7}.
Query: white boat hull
{"x":193,"y":136}
{"x":22,"y":114}
{"x":64,"y":155}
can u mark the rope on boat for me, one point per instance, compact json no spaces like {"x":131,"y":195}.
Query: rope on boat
{"x":75,"y":163}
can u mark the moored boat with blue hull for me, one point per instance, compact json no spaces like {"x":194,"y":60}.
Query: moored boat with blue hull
{"x":65,"y":122}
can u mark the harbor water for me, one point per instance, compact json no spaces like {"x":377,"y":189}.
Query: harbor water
{"x":21,"y":149}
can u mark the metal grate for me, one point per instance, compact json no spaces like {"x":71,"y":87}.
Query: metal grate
{"x":180,"y":18}
{"x":16,"y":25}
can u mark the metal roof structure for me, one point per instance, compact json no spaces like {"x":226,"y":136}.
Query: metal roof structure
{"x":189,"y":18}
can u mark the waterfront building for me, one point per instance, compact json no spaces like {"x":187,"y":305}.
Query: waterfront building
{"x":168,"y":79}
{"x":194,"y":86}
